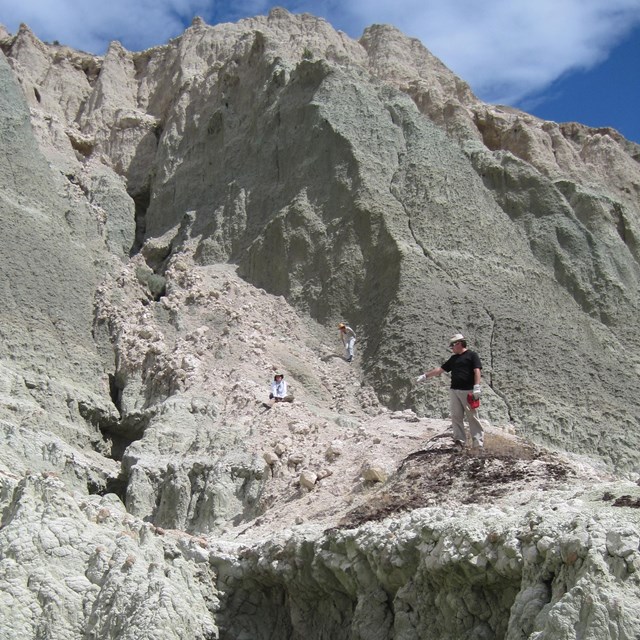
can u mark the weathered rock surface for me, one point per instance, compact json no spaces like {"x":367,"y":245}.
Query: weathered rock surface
{"x":555,"y":570}
{"x":180,"y":223}
{"x":76,"y":567}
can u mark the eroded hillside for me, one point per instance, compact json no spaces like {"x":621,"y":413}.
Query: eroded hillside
{"x":179,"y":224}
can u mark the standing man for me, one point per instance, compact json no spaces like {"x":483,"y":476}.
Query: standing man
{"x":348,"y":340}
{"x":466,"y":369}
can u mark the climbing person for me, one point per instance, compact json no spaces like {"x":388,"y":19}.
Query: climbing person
{"x":464,"y":396}
{"x":348,"y":336}
{"x":278,"y":391}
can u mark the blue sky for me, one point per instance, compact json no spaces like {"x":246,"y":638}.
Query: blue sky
{"x":563,"y":60}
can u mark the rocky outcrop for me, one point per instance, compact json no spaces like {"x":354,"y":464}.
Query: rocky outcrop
{"x":180,"y":223}
{"x":75,"y":568}
{"x":451,"y":575}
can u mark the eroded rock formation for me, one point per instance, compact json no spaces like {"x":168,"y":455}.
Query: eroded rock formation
{"x":179,"y":223}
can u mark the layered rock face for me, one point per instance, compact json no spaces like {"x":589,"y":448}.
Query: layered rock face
{"x":421,"y":578}
{"x":179,"y":223}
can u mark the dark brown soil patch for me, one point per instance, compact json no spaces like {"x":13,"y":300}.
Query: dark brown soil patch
{"x":440,"y":474}
{"x":627,"y":501}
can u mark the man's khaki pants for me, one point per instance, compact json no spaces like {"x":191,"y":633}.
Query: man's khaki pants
{"x":460,"y":409}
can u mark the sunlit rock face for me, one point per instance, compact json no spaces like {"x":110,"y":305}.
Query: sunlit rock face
{"x":178,"y":224}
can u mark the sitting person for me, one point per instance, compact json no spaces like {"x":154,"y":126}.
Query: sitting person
{"x":278,"y":391}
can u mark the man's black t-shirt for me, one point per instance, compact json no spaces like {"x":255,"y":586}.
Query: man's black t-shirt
{"x":461,"y":367}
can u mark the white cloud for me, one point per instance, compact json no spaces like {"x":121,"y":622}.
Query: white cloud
{"x":89,"y":26}
{"x":508,"y":49}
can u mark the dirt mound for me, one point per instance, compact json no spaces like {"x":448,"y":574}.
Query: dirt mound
{"x":441,"y":475}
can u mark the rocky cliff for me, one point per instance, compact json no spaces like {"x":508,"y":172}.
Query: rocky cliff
{"x":179,"y":223}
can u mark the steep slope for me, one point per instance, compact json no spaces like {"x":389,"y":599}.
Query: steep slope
{"x":53,"y":256}
{"x":274,"y":138}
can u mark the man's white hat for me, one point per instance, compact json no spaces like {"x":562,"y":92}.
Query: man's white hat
{"x":456,"y":338}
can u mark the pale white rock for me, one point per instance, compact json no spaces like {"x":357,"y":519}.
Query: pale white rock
{"x":270,"y":457}
{"x":296,"y":458}
{"x":334,"y":450}
{"x":623,"y":542}
{"x":373,"y":472}
{"x":324,"y":473}
{"x":308,"y":479}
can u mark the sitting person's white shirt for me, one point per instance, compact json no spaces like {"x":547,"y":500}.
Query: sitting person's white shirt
{"x":278,"y":388}
{"x":279,"y":391}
